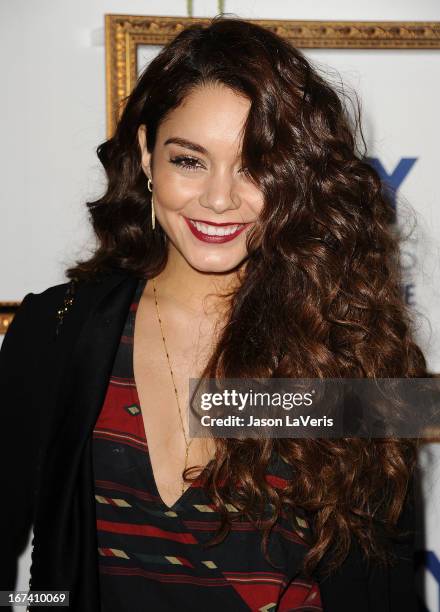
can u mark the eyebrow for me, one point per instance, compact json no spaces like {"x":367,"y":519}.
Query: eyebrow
{"x":187,"y":144}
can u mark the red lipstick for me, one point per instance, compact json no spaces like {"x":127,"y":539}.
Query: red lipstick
{"x":217,"y":239}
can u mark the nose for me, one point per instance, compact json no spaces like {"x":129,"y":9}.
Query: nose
{"x":220,"y":194}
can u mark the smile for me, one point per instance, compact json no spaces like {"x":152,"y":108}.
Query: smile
{"x":213,"y":232}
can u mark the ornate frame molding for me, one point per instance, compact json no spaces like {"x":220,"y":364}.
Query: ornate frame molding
{"x":124,"y":33}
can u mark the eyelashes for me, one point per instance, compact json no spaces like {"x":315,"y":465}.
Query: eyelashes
{"x":185,"y":161}
{"x":192,"y":163}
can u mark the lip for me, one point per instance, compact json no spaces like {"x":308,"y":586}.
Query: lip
{"x":214,"y":239}
{"x":213,"y":222}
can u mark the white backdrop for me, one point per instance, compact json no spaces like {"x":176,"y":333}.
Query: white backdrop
{"x":52,"y":117}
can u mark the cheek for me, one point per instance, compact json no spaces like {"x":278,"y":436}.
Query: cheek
{"x":175,"y":190}
{"x":256,"y":204}
{"x":172,"y":186}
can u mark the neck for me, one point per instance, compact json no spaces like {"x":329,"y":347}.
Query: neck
{"x":198,"y":292}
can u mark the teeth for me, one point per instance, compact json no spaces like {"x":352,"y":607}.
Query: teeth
{"x":214,"y":230}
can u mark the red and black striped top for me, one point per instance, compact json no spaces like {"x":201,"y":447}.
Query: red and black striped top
{"x":151,"y":557}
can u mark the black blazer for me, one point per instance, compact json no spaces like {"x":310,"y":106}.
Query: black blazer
{"x":51,"y":389}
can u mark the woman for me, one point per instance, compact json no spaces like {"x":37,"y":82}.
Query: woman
{"x":241,"y":235}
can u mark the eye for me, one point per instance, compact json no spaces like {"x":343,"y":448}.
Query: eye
{"x":187,"y":162}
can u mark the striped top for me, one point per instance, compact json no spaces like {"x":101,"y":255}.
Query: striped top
{"x":151,"y":557}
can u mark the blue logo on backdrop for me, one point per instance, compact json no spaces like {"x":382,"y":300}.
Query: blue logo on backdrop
{"x":396,"y":178}
{"x":428,"y":560}
{"x":392,"y":182}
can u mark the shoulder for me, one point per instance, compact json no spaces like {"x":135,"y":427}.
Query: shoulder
{"x":38,"y":312}
{"x":54,"y":295}
{"x":51,"y":296}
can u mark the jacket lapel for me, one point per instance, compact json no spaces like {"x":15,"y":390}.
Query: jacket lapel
{"x":64,"y":528}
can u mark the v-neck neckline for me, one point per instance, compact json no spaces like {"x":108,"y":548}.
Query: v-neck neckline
{"x":177,"y":505}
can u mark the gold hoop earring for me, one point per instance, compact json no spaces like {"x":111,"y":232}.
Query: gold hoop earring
{"x":153,"y":216}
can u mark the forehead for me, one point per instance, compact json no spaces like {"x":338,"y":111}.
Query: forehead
{"x":212,"y":115}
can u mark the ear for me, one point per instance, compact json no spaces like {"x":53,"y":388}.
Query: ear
{"x":145,"y":155}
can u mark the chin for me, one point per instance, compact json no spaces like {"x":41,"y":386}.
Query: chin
{"x":221,"y":265}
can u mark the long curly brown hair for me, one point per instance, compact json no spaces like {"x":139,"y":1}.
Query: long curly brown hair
{"x":320,"y":295}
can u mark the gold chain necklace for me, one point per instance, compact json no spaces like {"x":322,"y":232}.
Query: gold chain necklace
{"x":187,"y":444}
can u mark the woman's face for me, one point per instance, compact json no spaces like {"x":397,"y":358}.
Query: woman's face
{"x":203,"y":198}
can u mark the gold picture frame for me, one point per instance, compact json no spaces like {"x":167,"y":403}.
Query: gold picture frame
{"x":7,"y":311}
{"x":124,"y":33}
